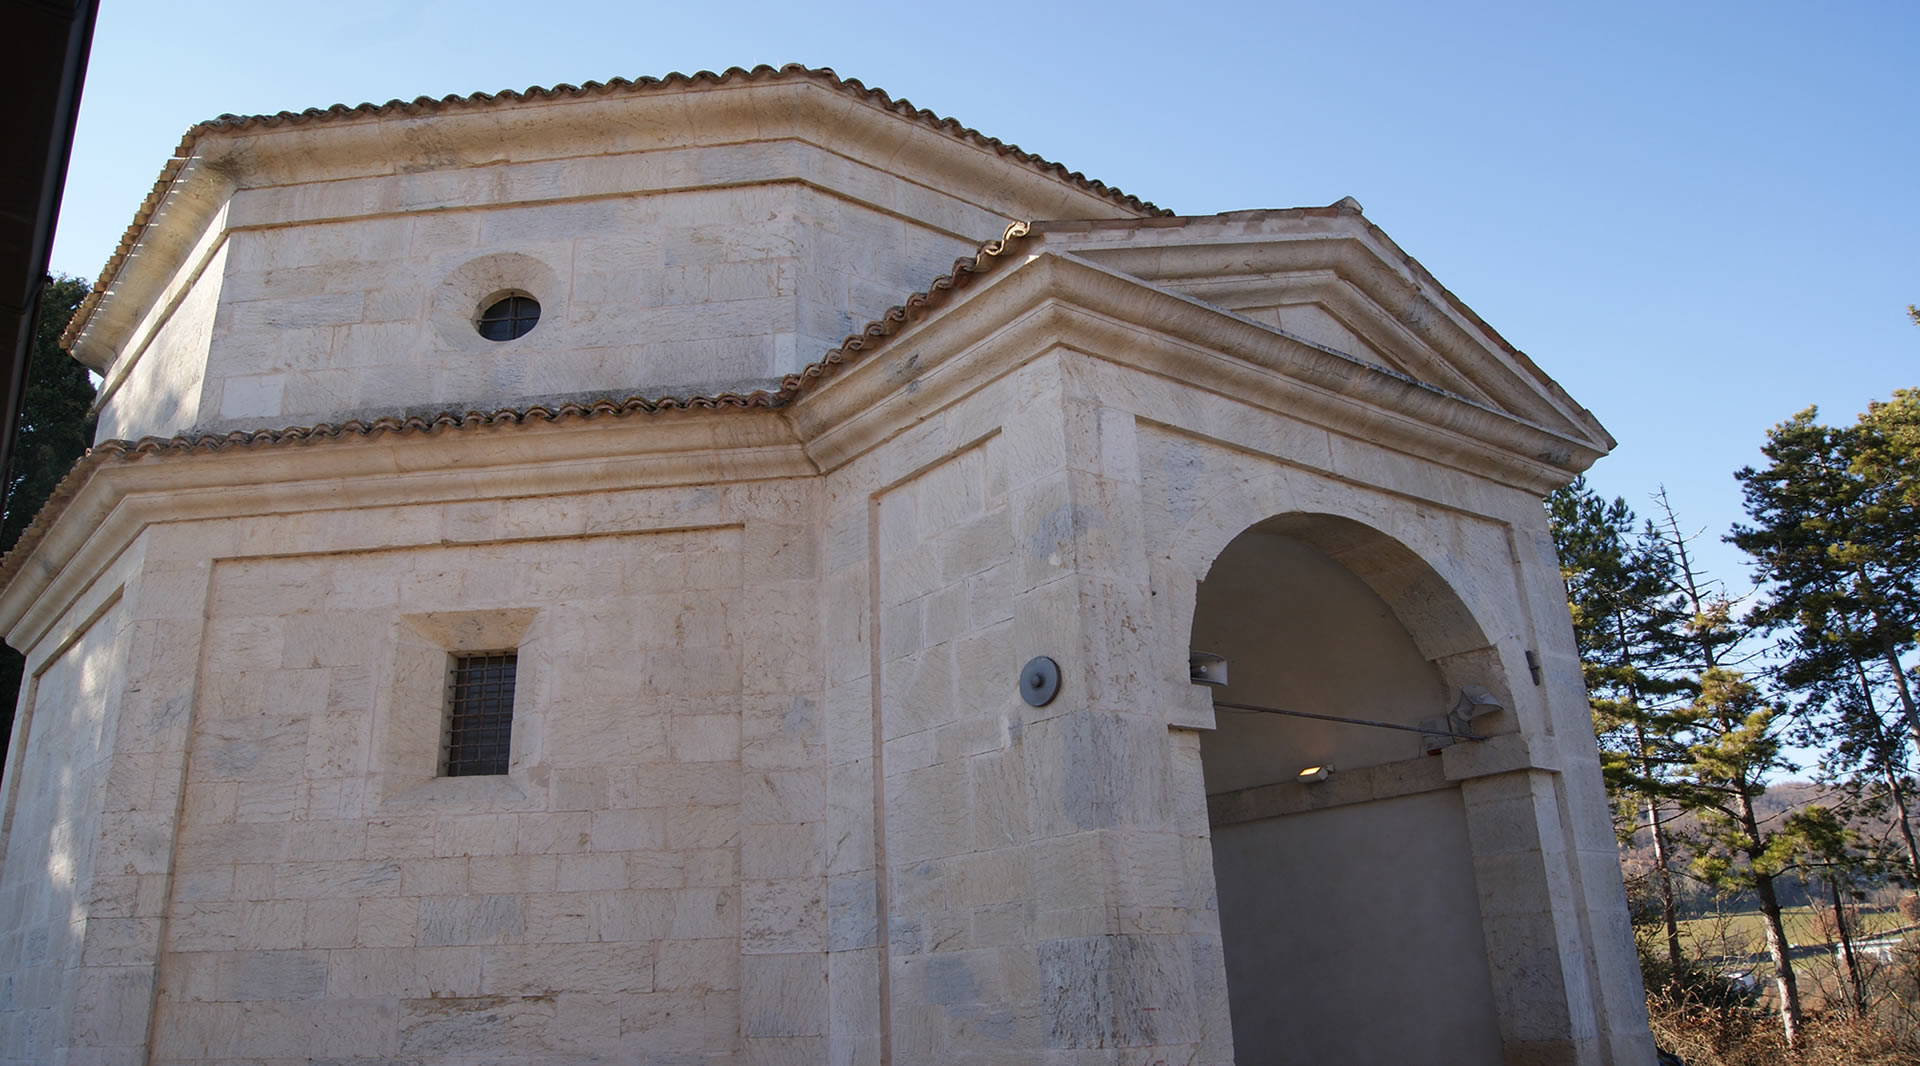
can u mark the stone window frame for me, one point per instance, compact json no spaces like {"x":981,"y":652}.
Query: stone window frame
{"x":411,"y":723}
{"x":456,"y":303}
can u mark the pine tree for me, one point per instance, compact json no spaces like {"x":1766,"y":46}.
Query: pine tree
{"x":1617,"y":585}
{"x":56,"y":419}
{"x":1734,"y":743}
{"x":1732,"y":736}
{"x":56,"y":427}
{"x":1836,"y":542}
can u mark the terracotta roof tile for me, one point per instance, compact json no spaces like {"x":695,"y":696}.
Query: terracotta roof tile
{"x":428,"y":104}
{"x":872,"y":336}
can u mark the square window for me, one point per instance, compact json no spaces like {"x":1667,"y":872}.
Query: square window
{"x":479,"y":722}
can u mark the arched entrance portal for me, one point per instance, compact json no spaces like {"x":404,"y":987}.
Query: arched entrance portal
{"x":1349,"y":911}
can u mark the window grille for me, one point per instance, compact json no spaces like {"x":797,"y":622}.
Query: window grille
{"x":479,"y":714}
{"x":509,"y":318}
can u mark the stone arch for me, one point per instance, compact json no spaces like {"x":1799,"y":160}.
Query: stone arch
{"x":1349,"y":907}
{"x":1409,"y":554}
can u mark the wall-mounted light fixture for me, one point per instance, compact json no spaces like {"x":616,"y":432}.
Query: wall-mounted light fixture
{"x":1314,"y":773}
{"x":1206,"y":668}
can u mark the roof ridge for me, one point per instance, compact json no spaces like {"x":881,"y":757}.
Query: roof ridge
{"x":870,"y":337}
{"x":425,"y":104}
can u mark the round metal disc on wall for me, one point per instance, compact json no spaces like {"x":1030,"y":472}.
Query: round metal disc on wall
{"x":1039,"y":681}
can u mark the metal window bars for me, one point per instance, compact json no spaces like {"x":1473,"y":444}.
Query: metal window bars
{"x":479,"y":723}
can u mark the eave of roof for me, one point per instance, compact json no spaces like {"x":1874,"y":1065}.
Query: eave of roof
{"x":616,"y":86}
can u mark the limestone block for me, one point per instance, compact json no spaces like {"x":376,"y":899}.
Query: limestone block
{"x":514,"y":875}
{"x":559,"y":918}
{"x":918,"y":692}
{"x":1096,"y":769}
{"x":1003,"y":924}
{"x":110,"y":1006}
{"x":213,"y":883}
{"x":542,"y":970}
{"x":469,"y":919}
{"x":781,"y":731}
{"x":1118,"y":991}
{"x":554,"y":833}
{"x":708,"y":867}
{"x":476,"y":1025}
{"x":398,"y":837}
{"x":692,"y":784}
{"x":784,"y":850}
{"x":780,"y":551}
{"x":579,"y":789}
{"x":784,"y":915}
{"x":110,"y":942}
{"x":706,"y":913}
{"x":386,"y":923}
{"x":658,"y":1025}
{"x":331,"y":924}
{"x":903,"y":629}
{"x":926,"y":813}
{"x":335,"y":880}
{"x":783,"y":995}
{"x":628,"y":830}
{"x":784,"y":1051}
{"x":999,"y":798}
{"x":697,"y":965}
{"x":586,"y":1025}
{"x":632,"y":917}
{"x":210,"y":926}
{"x":852,"y":912}
{"x":592,"y":872}
{"x":488,"y":834}
{"x":705,"y":737}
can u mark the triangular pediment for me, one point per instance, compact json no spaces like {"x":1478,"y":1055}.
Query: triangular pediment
{"x":1329,"y":278}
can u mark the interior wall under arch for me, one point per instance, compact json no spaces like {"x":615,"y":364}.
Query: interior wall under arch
{"x":1351,"y":924}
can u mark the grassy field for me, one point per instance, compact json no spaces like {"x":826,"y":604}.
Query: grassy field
{"x":1742,"y":933}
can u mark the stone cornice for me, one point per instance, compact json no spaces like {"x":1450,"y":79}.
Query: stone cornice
{"x":971,"y":328}
{"x":1338,"y":258}
{"x":1048,"y":302}
{"x":1055,"y":300}
{"x":115,"y":500}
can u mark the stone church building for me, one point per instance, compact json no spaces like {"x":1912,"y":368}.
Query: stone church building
{"x":623,"y":574}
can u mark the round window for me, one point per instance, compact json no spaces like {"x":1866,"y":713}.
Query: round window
{"x":509,"y":317}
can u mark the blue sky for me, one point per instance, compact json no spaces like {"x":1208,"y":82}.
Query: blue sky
{"x":1698,"y":217}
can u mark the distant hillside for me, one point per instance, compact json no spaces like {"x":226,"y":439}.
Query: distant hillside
{"x":1636,"y":860}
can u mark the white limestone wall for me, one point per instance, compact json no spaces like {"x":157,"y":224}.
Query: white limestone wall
{"x":924,"y":864}
{"x":1041,"y":884}
{"x":57,"y":787}
{"x":648,"y":879}
{"x":325,"y":875}
{"x":697,"y":291}
{"x":160,"y":393}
